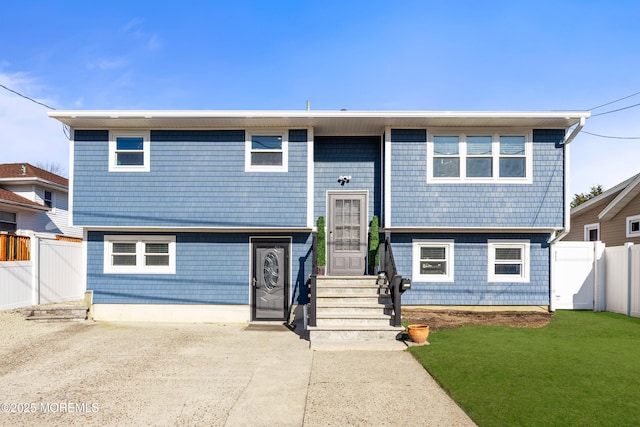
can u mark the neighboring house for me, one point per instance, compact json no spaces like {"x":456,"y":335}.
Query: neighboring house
{"x":33,"y":200}
{"x":186,"y":213}
{"x":612,"y":217}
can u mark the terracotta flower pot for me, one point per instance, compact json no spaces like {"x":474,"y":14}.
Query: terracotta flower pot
{"x":418,"y":333}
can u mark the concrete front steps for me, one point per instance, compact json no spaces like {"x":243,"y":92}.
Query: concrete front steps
{"x":353,"y":312}
{"x":56,"y":313}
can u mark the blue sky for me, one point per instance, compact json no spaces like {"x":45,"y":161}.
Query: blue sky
{"x":360,"y":55}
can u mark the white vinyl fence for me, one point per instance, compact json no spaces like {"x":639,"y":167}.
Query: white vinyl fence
{"x":53,"y":274}
{"x":588,"y":275}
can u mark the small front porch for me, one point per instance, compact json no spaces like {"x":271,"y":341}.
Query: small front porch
{"x":357,"y":312}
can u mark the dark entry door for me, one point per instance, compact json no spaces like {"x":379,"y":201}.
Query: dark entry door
{"x":270,"y":279}
{"x":347,"y":233}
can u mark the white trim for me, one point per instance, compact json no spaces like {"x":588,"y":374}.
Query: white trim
{"x":140,"y":241}
{"x":146,"y":149}
{"x":248,"y":150}
{"x":588,"y":228}
{"x":72,"y":151}
{"x":495,"y":155}
{"x":628,"y":221}
{"x":387,"y":178}
{"x":417,"y":244}
{"x":310,"y":178}
{"x":492,"y":245}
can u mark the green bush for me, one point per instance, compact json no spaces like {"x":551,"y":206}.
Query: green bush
{"x":374,"y":242}
{"x":321,"y":256}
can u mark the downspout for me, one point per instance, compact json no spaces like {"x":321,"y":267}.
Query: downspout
{"x":567,"y":208}
{"x":567,"y":195}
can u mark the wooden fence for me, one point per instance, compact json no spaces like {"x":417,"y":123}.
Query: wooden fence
{"x":14,"y":248}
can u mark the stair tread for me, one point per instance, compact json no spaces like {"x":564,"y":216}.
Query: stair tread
{"x":352,"y":316}
{"x":356,"y":328}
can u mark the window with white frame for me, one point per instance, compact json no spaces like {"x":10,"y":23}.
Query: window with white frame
{"x":479,"y":157}
{"x":508,"y":260}
{"x":592,"y":232}
{"x":266,"y":152}
{"x":433,"y":260}
{"x":129,"y":151}
{"x":139,"y":254}
{"x":633,"y":226}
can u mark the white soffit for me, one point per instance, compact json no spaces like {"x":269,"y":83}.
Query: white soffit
{"x":323,"y":122}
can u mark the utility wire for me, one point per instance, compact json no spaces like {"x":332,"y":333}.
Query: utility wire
{"x":65,"y":129}
{"x":613,"y":102}
{"x":26,"y":97}
{"x":611,"y":137}
{"x":613,"y":111}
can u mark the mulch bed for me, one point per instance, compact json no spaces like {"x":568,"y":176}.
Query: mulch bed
{"x":448,"y":319}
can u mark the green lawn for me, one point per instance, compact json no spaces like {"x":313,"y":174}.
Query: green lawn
{"x":583,"y":369}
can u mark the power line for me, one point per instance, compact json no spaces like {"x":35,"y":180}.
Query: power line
{"x":613,"y":111}
{"x":26,"y":97}
{"x":611,"y":137}
{"x":613,"y":102}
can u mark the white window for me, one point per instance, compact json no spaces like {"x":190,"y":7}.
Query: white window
{"x":592,"y":232}
{"x":633,"y":226}
{"x":129,"y":151}
{"x":479,"y":157}
{"x":140,"y":254}
{"x":266,"y":152}
{"x":508,"y":260}
{"x":432,"y":260}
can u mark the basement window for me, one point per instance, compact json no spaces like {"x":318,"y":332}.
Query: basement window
{"x":139,"y":254}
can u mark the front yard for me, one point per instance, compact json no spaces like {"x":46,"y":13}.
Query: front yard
{"x":581,"y":369}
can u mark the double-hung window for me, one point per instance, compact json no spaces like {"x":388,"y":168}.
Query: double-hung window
{"x":140,"y":254}
{"x":508,"y":260}
{"x":432,"y":260}
{"x":479,"y":157}
{"x":129,"y":151}
{"x":266,"y":152}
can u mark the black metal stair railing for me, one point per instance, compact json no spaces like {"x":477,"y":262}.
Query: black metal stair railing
{"x":395,"y":282}
{"x":311,"y":283}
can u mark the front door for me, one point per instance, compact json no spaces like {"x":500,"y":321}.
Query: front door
{"x":270,"y":279}
{"x":347,"y":233}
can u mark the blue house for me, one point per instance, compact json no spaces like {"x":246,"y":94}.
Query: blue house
{"x":211,"y":215}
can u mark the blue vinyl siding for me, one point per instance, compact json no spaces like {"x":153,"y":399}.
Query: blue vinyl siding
{"x":211,"y":268}
{"x":355,"y":156}
{"x":415,"y":203}
{"x":470,"y":286}
{"x":197,"y":179}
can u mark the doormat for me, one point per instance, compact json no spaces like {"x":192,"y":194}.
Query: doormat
{"x":276,"y":327}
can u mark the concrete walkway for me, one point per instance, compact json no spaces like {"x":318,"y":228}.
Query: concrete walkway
{"x":172,"y":374}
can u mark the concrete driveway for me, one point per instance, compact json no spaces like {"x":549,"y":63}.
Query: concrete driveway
{"x":175,"y":374}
